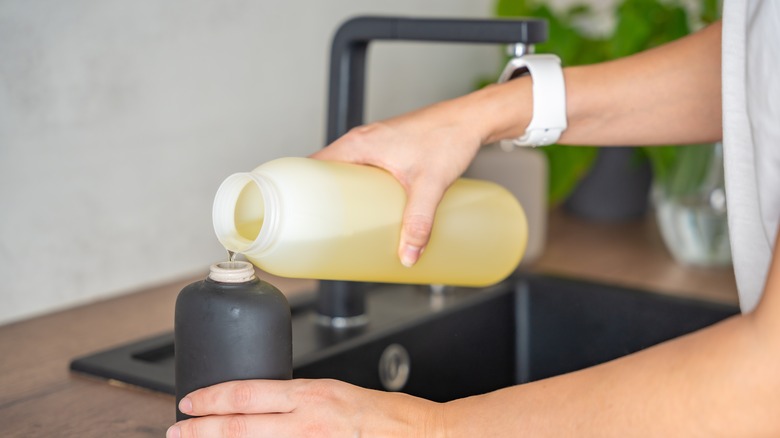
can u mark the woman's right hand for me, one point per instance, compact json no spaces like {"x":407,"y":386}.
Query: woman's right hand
{"x":426,"y":151}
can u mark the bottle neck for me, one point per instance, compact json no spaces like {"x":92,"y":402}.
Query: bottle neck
{"x":232,"y":272}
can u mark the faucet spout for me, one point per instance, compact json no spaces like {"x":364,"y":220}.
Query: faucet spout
{"x":350,"y":43}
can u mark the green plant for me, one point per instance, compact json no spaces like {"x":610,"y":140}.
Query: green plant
{"x":640,"y":25}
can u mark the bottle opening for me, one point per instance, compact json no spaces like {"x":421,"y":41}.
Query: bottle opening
{"x":241,"y":215}
{"x":249,"y":213}
{"x":232,"y":272}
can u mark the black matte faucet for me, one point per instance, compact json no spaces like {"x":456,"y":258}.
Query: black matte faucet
{"x":342,"y":304}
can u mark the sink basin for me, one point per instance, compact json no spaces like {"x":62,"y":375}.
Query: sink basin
{"x":456,"y":343}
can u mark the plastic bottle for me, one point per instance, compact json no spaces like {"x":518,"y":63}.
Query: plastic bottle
{"x":231,"y":326}
{"x":306,"y":218}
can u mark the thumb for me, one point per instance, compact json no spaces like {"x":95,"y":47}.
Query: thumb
{"x":418,"y":216}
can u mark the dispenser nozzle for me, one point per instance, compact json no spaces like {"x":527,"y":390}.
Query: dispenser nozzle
{"x":232,"y":272}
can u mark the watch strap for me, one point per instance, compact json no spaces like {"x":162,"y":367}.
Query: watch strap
{"x":549,"y":97}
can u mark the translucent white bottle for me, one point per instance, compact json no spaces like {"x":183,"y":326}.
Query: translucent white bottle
{"x":306,"y":218}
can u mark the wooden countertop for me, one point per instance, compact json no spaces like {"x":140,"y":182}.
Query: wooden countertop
{"x":39,"y":397}
{"x":628,"y":254}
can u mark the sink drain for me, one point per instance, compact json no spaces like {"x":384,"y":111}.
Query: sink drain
{"x":394,"y":367}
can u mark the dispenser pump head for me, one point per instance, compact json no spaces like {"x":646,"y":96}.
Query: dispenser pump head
{"x":232,"y":272}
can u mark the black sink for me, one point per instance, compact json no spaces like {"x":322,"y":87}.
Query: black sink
{"x":456,"y":343}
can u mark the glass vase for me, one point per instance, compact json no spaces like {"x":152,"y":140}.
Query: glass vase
{"x":690,"y":205}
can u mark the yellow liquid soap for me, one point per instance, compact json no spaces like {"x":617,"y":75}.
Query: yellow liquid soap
{"x":249,"y":230}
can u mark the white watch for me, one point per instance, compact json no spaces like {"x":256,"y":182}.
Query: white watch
{"x":549,"y":93}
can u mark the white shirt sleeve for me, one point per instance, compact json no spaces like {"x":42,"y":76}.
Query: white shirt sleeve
{"x":751,"y":138}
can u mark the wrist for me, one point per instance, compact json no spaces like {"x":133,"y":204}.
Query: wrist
{"x":502,"y":111}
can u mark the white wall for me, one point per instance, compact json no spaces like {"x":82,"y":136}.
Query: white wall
{"x":118,"y":120}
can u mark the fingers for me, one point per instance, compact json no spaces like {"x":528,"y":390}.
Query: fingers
{"x":423,"y":198}
{"x":332,"y":153}
{"x":406,"y":153}
{"x":278,"y":408}
{"x":233,"y":426}
{"x":240,"y":397}
{"x":356,"y":146}
{"x":323,"y":408}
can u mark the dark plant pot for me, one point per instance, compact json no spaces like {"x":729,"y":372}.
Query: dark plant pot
{"x":616,"y":188}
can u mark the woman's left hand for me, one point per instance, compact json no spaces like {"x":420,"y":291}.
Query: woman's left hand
{"x":304,"y":408}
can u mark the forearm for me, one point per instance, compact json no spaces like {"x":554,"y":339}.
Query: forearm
{"x":689,"y":387}
{"x":707,"y":384}
{"x":720,"y":381}
{"x":671,"y":94}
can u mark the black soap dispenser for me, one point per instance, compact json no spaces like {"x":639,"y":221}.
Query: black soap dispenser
{"x":230,"y":326}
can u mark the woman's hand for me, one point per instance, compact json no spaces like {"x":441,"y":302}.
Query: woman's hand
{"x":426,"y":151}
{"x":304,"y":408}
